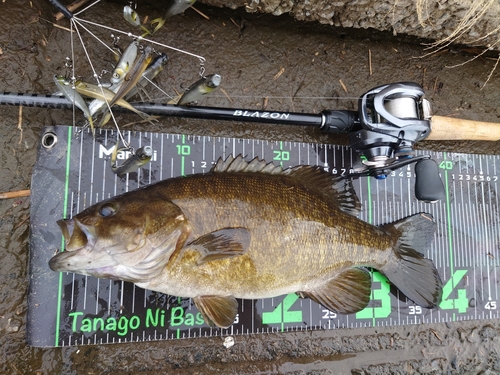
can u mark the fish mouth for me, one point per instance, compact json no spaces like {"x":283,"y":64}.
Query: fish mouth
{"x":77,"y":236}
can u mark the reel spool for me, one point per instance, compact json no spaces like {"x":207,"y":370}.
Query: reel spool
{"x":393,"y":118}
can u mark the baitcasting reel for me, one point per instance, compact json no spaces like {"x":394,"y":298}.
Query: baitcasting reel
{"x":389,"y":121}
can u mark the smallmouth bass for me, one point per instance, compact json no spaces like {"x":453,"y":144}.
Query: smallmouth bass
{"x":250,"y":230}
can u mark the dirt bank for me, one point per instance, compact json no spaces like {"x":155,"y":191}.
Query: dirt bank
{"x":470,"y":22}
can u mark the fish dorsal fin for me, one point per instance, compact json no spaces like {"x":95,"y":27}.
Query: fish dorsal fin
{"x":334,"y":188}
{"x":221,"y":244}
{"x":239,"y":164}
{"x":348,"y":293}
{"x":218,"y":310}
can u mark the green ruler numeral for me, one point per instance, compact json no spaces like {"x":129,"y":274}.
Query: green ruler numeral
{"x":446,"y":164}
{"x":183,"y":150}
{"x":281,"y":155}
{"x":383,"y":295}
{"x":282,"y":313}
{"x":461,"y":302}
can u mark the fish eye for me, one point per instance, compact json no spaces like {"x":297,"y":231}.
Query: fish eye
{"x":107,"y":210}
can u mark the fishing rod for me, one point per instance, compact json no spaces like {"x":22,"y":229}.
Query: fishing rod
{"x":389,"y":121}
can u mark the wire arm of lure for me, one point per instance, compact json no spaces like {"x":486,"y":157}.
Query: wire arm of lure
{"x":140,"y":38}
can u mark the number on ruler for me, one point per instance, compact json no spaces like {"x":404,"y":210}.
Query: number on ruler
{"x":236,"y":319}
{"x":461,"y":302}
{"x":281,"y":155}
{"x":183,"y":150}
{"x":415,"y":310}
{"x":491,"y":305}
{"x":327,"y":314}
{"x":446,"y":164}
{"x":282,"y":313}
{"x":203,"y":164}
{"x":383,"y":295}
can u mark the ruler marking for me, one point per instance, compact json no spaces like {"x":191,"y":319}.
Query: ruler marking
{"x":97,"y":297}
{"x":497,"y":255}
{"x":92,"y":166}
{"x":104,"y":162}
{"x":79,"y":174}
{"x":140,"y":169}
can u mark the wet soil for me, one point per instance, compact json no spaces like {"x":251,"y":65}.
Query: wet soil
{"x":322,"y":67}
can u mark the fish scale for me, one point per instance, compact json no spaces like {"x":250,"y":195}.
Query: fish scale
{"x":69,"y":309}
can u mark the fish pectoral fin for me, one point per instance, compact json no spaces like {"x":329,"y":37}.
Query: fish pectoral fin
{"x":218,"y":310}
{"x":348,"y":293}
{"x":221,"y":244}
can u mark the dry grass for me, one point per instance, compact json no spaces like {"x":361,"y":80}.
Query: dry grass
{"x":476,"y":12}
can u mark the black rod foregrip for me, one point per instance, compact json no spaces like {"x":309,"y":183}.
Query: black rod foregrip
{"x":339,"y":121}
{"x":61,"y":8}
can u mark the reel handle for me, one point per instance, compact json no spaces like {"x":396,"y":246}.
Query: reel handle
{"x":428,"y":185}
{"x":448,"y":128}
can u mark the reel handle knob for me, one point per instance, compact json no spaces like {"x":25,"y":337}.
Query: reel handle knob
{"x":428,"y":185}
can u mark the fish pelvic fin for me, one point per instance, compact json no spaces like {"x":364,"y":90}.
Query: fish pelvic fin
{"x":338,"y":190}
{"x":415,"y":276}
{"x":218,"y":310}
{"x":347,"y":293}
{"x":221,"y":244}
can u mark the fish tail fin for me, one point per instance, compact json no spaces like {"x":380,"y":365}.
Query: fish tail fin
{"x":415,"y":276}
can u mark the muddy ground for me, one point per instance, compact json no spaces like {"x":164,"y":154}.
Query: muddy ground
{"x":249,"y":51}
{"x":464,"y":21}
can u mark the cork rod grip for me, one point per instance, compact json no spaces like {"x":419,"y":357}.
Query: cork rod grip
{"x":448,"y":128}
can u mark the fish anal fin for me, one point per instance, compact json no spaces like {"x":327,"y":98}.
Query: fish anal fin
{"x":221,"y":244}
{"x":218,"y":310}
{"x":348,"y":293}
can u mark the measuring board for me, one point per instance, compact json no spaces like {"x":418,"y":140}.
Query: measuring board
{"x":73,"y":173}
